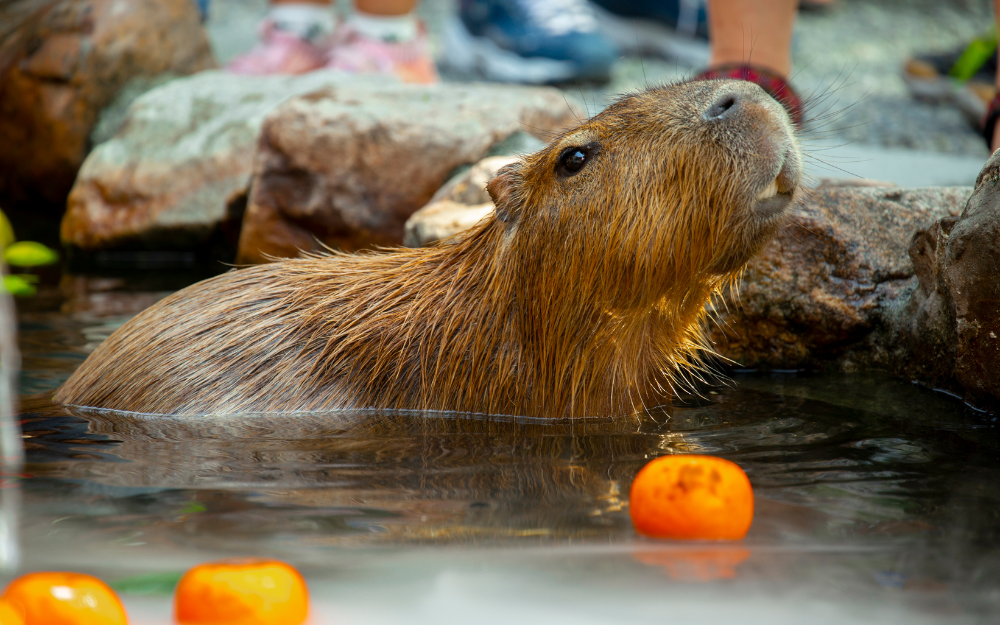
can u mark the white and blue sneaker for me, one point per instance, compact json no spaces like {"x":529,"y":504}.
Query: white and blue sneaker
{"x":672,"y":29}
{"x":528,"y":41}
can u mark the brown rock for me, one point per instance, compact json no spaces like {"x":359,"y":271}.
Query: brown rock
{"x":947,"y":332}
{"x":346,"y":167}
{"x":971,"y":271}
{"x":825,"y":283}
{"x":62,"y":61}
{"x":920,"y":342}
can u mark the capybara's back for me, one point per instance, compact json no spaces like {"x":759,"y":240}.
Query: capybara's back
{"x":583,"y":292}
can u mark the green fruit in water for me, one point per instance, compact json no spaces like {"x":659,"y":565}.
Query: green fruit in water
{"x":29,"y":254}
{"x":20,"y":286}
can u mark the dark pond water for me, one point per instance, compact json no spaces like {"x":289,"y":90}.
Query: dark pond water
{"x":876,"y":500}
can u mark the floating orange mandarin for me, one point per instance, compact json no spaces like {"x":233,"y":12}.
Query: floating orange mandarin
{"x":242,"y":592}
{"x":65,"y":599}
{"x":692,"y":497}
{"x":10,"y":614}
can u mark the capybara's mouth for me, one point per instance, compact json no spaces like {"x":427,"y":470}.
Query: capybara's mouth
{"x":773,"y":205}
{"x":778,"y":195}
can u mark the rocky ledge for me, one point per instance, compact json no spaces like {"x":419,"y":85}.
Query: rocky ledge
{"x":288,"y":164}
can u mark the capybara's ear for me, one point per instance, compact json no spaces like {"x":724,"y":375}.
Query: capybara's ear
{"x":505,"y":189}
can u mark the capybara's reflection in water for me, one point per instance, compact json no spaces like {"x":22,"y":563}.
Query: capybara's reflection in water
{"x":465,"y":475}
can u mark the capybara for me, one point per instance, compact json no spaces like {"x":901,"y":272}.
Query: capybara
{"x":582,"y":294}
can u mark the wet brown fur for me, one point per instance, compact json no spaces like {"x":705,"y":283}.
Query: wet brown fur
{"x":580,"y":295}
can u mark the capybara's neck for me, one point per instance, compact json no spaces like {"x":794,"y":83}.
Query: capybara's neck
{"x":492,"y":323}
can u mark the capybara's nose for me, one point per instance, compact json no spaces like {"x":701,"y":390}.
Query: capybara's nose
{"x":725,"y":105}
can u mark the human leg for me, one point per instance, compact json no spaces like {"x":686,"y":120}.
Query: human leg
{"x":753,"y":32}
{"x":751,"y":40}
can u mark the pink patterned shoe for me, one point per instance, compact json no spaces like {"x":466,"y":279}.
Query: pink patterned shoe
{"x":410,"y":61}
{"x":279,"y":52}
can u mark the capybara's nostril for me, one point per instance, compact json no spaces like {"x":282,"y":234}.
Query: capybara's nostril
{"x":724,"y":106}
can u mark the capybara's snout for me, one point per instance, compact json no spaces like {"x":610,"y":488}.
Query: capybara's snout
{"x":723,"y":106}
{"x":740,"y":103}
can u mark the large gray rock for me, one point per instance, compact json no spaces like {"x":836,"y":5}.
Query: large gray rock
{"x":179,"y":167}
{"x":346,"y":167}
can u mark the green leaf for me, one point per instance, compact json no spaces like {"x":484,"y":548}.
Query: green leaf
{"x":29,"y":254}
{"x":192,"y":507}
{"x":6,"y":232}
{"x":156,"y":584}
{"x":975,"y":55}
{"x":20,"y":285}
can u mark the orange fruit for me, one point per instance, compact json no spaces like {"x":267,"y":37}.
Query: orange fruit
{"x":691,"y":497}
{"x":242,"y":592}
{"x":64,"y":599}
{"x":10,"y":614}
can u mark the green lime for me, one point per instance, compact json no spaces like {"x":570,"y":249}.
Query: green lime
{"x":29,"y":254}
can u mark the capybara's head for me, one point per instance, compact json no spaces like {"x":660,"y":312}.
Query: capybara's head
{"x":665,"y":186}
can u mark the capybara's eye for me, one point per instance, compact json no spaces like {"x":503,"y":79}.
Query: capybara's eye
{"x":572,"y":160}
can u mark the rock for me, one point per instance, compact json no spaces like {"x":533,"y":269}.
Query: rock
{"x":830,"y":183}
{"x":345,"y":168}
{"x":456,"y":206}
{"x":920,"y":342}
{"x":439,"y":220}
{"x":971,"y":271}
{"x":828,"y":281}
{"x":62,"y":61}
{"x":947,"y":331}
{"x":177,"y":172}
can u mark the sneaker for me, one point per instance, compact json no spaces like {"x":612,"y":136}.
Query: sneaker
{"x":361,"y":50}
{"x":284,"y":48}
{"x":672,"y":29}
{"x":529,"y":41}
{"x":686,"y":17}
{"x":202,"y":9}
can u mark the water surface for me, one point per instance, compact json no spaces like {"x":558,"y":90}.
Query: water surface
{"x":876,"y":500}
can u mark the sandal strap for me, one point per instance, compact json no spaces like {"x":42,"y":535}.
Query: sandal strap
{"x":990,"y":121}
{"x":771,"y":82}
